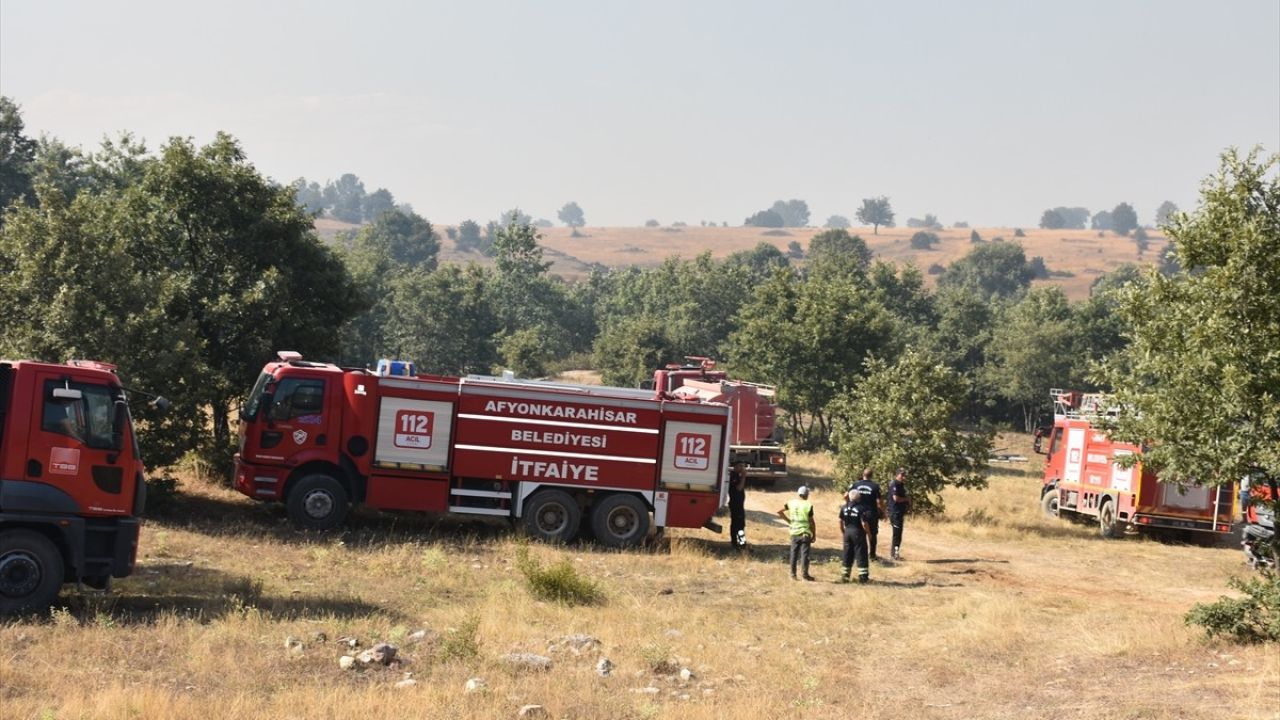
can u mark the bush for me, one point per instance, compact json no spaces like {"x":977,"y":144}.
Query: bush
{"x":776,"y":233}
{"x":651,"y":223}
{"x":936,"y":269}
{"x":961,"y":225}
{"x":1017,"y":232}
{"x":924,"y":240}
{"x":974,"y":237}
{"x":162,"y":494}
{"x":1253,"y":618}
{"x":559,"y":583}
{"x":460,"y":643}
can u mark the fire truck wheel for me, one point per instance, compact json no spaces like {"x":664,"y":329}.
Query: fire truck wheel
{"x":30,"y":572}
{"x":317,"y":502}
{"x":552,"y":516}
{"x":1049,"y":503}
{"x":1107,"y":526}
{"x":620,"y":520}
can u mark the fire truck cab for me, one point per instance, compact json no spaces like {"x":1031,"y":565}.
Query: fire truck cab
{"x":71,"y":481}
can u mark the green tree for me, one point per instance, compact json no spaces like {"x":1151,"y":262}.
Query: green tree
{"x":995,"y":270}
{"x":765,"y":218}
{"x":377,"y":203}
{"x":1201,"y":373}
{"x":837,"y":222}
{"x":924,"y":240}
{"x":1123,"y":219}
{"x":630,"y":350}
{"x":1165,"y":212}
{"x":17,"y":153}
{"x":876,"y":211}
{"x":836,"y":252}
{"x":1101,"y":221}
{"x":1031,"y":351}
{"x":794,"y":213}
{"x":572,"y":215}
{"x":310,"y":195}
{"x":906,"y":414}
{"x":761,"y":260}
{"x":443,"y":320}
{"x":1052,"y":220}
{"x":345,"y":198}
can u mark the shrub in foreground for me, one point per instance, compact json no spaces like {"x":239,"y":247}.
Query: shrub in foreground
{"x":1253,"y":618}
{"x":559,"y":583}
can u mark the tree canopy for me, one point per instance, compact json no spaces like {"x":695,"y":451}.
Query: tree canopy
{"x":876,"y":211}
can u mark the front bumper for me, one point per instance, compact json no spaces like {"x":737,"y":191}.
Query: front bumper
{"x":258,"y":482}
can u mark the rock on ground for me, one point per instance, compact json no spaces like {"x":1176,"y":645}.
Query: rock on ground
{"x":604,"y":667}
{"x":534,"y":712}
{"x":527,"y":661}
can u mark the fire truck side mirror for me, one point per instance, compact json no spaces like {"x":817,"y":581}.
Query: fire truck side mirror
{"x":161,"y":403}
{"x":117,"y":425}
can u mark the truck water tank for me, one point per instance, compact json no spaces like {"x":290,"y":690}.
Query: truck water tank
{"x":396,"y":368}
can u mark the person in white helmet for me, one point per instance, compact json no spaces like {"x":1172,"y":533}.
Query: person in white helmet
{"x":799,"y":513}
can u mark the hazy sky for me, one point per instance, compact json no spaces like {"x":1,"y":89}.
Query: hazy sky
{"x":981,"y":111}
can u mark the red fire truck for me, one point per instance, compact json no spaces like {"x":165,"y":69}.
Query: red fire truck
{"x":755,"y":419}
{"x":319,"y":437}
{"x":71,"y":481}
{"x":1082,"y":477}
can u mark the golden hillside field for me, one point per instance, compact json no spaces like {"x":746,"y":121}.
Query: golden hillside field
{"x":996,"y":612}
{"x":1082,"y":253}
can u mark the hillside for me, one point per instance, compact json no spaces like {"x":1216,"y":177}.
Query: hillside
{"x":1076,"y":257}
{"x":996,"y":612}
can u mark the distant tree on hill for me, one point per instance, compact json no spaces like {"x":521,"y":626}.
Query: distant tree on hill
{"x":1123,"y":219}
{"x":310,"y":195}
{"x":1165,"y":212}
{"x":974,"y":237}
{"x":929,"y":222}
{"x":794,"y":213}
{"x":1140,"y":241}
{"x":837,"y":222}
{"x":961,"y":225}
{"x":571,"y":214}
{"x":515,"y":216}
{"x":1017,"y":232}
{"x":875,"y":212}
{"x":1076,"y":218}
{"x":345,"y":198}
{"x":765,"y":218}
{"x":543,"y":223}
{"x":924,"y":240}
{"x":376,"y":203}
{"x":794,"y":250}
{"x":1039,"y":270}
{"x":651,"y":223}
{"x":1101,"y":220}
{"x":1052,"y":220}
{"x":469,"y":238}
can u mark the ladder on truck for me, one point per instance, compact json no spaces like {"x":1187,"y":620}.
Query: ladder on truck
{"x":1077,"y":405}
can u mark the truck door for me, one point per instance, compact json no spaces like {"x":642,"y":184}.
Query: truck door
{"x":297,"y":420}
{"x":1074,"y":460}
{"x":77,"y":447}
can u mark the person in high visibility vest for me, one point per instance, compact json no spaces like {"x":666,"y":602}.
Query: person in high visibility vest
{"x":799,"y":513}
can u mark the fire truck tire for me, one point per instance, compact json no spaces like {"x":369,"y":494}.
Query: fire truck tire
{"x":620,"y":521}
{"x":1107,"y":526}
{"x":1049,"y":503}
{"x":317,"y":502}
{"x":31,"y":572}
{"x":552,"y":516}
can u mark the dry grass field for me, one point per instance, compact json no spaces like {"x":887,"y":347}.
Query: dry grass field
{"x":995,"y":612}
{"x":1081,"y":253}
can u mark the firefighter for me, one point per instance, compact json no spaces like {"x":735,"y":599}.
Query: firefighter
{"x":899,"y":503}
{"x":870,"y":503}
{"x":737,"y":505}
{"x":855,"y":540}
{"x":804,"y":530}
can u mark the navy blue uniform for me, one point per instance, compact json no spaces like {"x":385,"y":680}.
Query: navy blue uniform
{"x":868,"y":499}
{"x":737,"y":509}
{"x":897,"y":512}
{"x":855,"y":542}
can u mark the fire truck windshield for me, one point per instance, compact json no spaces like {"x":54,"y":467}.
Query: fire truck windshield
{"x":253,"y":403}
{"x":88,"y":418}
